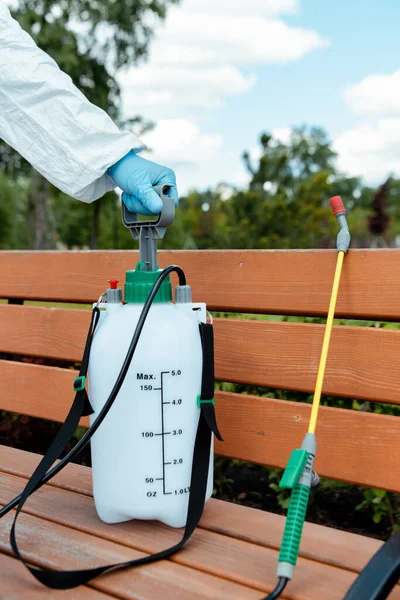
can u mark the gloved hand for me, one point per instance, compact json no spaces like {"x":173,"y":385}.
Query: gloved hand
{"x":136,"y":176}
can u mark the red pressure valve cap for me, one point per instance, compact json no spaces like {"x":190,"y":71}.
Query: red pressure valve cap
{"x":113,"y":283}
{"x":337,"y":205}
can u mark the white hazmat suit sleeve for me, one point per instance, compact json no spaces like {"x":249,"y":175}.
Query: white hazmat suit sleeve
{"x":51,"y":123}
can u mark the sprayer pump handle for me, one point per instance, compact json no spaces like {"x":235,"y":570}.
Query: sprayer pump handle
{"x":164,"y":219}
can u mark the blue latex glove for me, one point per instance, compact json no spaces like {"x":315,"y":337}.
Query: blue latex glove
{"x":136,"y":176}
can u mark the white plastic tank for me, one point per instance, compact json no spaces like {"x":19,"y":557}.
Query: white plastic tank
{"x":142,"y":453}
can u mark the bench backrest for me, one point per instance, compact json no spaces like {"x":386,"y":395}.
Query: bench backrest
{"x":354,"y":446}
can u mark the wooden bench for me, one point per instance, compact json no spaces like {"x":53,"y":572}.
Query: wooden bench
{"x":234,"y":552}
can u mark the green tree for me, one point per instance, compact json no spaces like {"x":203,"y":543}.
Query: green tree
{"x":13,"y":195}
{"x":287,"y":204}
{"x":90,"y":41}
{"x":281,"y":165}
{"x":200,"y":223}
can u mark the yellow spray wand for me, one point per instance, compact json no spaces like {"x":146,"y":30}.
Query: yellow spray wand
{"x":325,"y":345}
{"x":299,"y":475}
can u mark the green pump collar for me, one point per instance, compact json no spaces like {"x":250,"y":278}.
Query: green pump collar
{"x":138,"y":286}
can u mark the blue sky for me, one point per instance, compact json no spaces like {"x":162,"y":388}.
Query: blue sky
{"x":220,"y":72}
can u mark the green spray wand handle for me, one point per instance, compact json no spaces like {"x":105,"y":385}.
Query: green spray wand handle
{"x":299,"y":476}
{"x":295,"y":519}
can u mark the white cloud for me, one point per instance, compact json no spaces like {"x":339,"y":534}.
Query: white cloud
{"x":166,"y":91}
{"x":226,"y":167}
{"x":282,"y":134}
{"x":371,"y":150}
{"x":260,"y":7}
{"x":376,"y":95}
{"x":199,"y":159}
{"x":180,"y":142}
{"x":198,"y":55}
{"x":206,"y":39}
{"x":205,"y":52}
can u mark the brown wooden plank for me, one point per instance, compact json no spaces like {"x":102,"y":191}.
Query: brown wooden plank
{"x":339,"y":548}
{"x":17,"y":584}
{"x":363,"y":361}
{"x":35,"y":390}
{"x":323,"y":544}
{"x":275,"y":282}
{"x":75,"y":478}
{"x":354,"y":446}
{"x":48,"y":544}
{"x":48,"y":332}
{"x":244,"y":563}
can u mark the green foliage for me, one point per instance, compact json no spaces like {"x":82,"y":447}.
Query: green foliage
{"x":13,"y":203}
{"x":196,"y":228}
{"x":285,"y":164}
{"x":382,"y":504}
{"x":285,"y":206}
{"x":282,"y":495}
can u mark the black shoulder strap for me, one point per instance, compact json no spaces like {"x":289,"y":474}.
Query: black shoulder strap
{"x":206,"y":399}
{"x":200,"y":466}
{"x":381,"y":574}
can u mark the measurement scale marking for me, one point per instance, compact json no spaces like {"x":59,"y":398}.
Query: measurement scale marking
{"x":162,"y":426}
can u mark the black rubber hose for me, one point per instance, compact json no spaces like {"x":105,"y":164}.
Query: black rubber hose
{"x":117,"y":386}
{"x":278,"y":590}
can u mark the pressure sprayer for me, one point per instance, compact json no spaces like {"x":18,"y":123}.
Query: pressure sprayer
{"x":152,"y":457}
{"x":299,"y":475}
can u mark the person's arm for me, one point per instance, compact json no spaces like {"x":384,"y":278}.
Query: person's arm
{"x":51,"y":123}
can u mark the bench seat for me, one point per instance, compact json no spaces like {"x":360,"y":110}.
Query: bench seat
{"x":233,"y":554}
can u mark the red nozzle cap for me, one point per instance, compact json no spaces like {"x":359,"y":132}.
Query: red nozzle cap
{"x":113,"y":283}
{"x":337,"y":205}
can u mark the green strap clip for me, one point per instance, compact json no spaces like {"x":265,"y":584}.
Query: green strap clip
{"x":79,"y":383}
{"x":200,"y":401}
{"x":294,"y":469}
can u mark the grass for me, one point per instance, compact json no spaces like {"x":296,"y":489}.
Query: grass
{"x":53,"y":304}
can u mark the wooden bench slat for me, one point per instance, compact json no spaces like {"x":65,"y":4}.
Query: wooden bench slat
{"x":47,"y":543}
{"x":18,"y":584}
{"x":244,"y":563}
{"x":265,"y":430}
{"x":339,"y":548}
{"x":38,"y":391}
{"x":262,"y":430}
{"x":342,"y":549}
{"x":274,"y":282}
{"x":75,"y":478}
{"x":363,"y":361}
